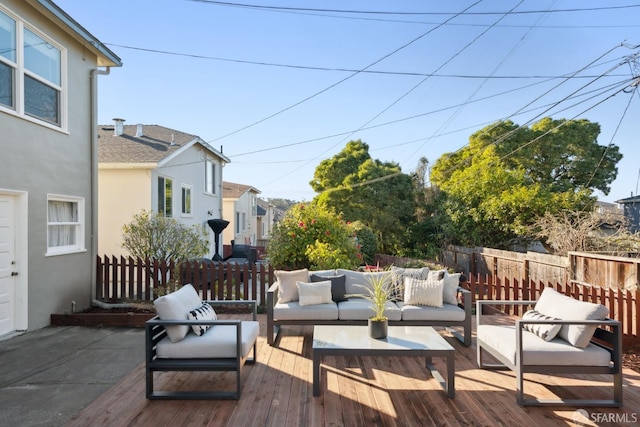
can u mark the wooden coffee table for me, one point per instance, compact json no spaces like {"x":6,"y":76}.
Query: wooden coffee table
{"x":348,"y":340}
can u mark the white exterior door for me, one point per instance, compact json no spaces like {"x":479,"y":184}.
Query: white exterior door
{"x":7,"y":264}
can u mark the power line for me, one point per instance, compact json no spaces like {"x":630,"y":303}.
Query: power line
{"x":382,"y":12}
{"x":335,"y":69}
{"x":339,"y":82}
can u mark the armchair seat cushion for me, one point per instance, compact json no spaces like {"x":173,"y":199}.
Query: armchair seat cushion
{"x":448,"y":312}
{"x":294,"y":311}
{"x":218,"y":342}
{"x":556,"y":352}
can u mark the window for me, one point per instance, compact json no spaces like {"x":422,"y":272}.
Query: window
{"x":31,"y":83}
{"x":65,"y":226}
{"x":244,"y":221}
{"x":209,"y":177}
{"x":186,"y":200}
{"x":238,"y":226}
{"x":165,"y":196}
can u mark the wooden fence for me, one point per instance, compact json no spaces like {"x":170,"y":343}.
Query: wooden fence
{"x":128,"y":279}
{"x":496,"y":274}
{"x":623,"y":304}
{"x":587,"y":268}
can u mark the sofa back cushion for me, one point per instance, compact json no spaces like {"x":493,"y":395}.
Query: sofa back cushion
{"x":357,"y":282}
{"x":288,"y":290}
{"x":554,"y":304}
{"x":176,"y":306}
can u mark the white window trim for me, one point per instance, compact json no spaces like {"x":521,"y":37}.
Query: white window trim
{"x":173,"y":196}
{"x":80,"y":227}
{"x":190,"y":188}
{"x":214,"y":179}
{"x":20,"y":71}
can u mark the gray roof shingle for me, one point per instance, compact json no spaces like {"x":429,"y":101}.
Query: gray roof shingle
{"x":152,"y":147}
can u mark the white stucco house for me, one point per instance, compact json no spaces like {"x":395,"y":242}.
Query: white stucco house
{"x":49,"y":68}
{"x":154,"y":168}
{"x":240,"y":208}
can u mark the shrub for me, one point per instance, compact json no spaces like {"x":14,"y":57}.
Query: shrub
{"x":312,"y":237}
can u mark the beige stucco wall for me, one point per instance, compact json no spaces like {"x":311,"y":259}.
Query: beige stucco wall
{"x":123,"y":193}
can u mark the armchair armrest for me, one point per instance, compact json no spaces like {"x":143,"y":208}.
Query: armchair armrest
{"x":481,"y":303}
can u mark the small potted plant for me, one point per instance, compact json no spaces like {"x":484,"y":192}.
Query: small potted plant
{"x":380,"y":291}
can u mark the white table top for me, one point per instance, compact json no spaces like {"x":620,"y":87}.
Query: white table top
{"x":352,"y":337}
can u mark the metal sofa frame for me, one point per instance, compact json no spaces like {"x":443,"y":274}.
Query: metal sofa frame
{"x":610,"y":339}
{"x":155,"y":332}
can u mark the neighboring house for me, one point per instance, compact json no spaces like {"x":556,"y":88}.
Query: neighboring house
{"x":154,"y":168}
{"x":268,"y":216}
{"x":49,"y":65}
{"x":240,"y":208}
{"x":631,"y":209}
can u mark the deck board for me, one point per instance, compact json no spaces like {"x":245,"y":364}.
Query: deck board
{"x":362,"y":390}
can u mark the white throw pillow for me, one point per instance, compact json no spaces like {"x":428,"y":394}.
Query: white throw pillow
{"x":176,"y":306}
{"x":546,"y":331}
{"x":423,"y":292}
{"x":314,"y":293}
{"x":287,"y":282}
{"x":450,"y":291}
{"x":204,"y":312}
{"x":398,"y":274}
{"x":554,"y":304}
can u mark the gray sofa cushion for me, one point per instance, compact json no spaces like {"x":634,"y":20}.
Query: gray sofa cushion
{"x":360,"y":309}
{"x":218,"y":342}
{"x":540,"y":352}
{"x":448,"y":312}
{"x":293,"y":311}
{"x":357,"y":282}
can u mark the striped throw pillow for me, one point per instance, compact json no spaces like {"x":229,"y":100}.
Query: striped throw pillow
{"x":546,"y":331}
{"x":204,"y":312}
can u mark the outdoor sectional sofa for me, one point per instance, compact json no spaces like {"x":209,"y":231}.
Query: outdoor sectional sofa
{"x":292,"y":300}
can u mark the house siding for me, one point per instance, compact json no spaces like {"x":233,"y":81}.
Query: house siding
{"x":36,"y":161}
{"x":123,"y":193}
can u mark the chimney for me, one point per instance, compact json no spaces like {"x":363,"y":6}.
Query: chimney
{"x":139,"y":132}
{"x":119,"y":127}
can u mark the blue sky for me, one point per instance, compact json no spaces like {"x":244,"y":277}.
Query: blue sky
{"x":279,"y":89}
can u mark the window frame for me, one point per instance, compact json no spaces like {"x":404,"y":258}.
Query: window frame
{"x":209,"y":177}
{"x":166,"y":205}
{"x":79,"y":245}
{"x":20,"y":73}
{"x":189,"y":190}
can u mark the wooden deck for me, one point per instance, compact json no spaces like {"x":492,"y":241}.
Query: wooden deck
{"x":357,"y":391}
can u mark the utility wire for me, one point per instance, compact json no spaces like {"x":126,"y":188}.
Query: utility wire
{"x":339,"y":82}
{"x":392,"y":122}
{"x":335,"y":69}
{"x":382,"y":12}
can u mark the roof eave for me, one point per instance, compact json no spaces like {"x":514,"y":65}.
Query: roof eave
{"x":106,"y":58}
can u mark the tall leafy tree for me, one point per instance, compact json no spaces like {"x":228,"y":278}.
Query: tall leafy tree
{"x":508,"y":176}
{"x":368,"y":190}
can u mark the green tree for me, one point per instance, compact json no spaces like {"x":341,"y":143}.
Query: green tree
{"x":364,"y":189}
{"x":508,"y":176}
{"x":313,"y":237}
{"x":157,"y":237}
{"x":366,"y":240}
